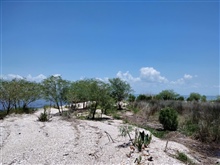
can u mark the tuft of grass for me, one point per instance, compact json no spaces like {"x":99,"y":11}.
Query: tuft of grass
{"x":116,"y":116}
{"x":135,"y":110}
{"x":44,"y":116}
{"x":157,"y":133}
{"x":66,"y":114}
{"x":3,"y":114}
{"x":189,"y":128}
{"x":184,"y":158}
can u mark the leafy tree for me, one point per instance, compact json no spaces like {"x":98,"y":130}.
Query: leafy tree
{"x":203,"y":98}
{"x":131,"y":98}
{"x":180,"y":98}
{"x":143,"y":97}
{"x":167,"y":95}
{"x":55,"y":90}
{"x":6,"y":94}
{"x":29,"y":92}
{"x":98,"y":94}
{"x":18,"y":93}
{"x":119,"y":90}
{"x":91,"y":90}
{"x":79,"y":91}
{"x":218,"y":99}
{"x":106,"y":101}
{"x":194,"y":97}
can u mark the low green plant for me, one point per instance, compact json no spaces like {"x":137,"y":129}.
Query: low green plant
{"x":66,"y":114}
{"x":135,"y":110}
{"x":82,"y":117}
{"x":138,"y":160}
{"x":43,"y":116}
{"x":116,"y":116}
{"x":125,"y":130}
{"x":142,"y":140}
{"x":168,"y":117}
{"x":159,"y":134}
{"x":3,"y":114}
{"x":189,"y":128}
{"x":184,"y":158}
{"x":125,"y":121}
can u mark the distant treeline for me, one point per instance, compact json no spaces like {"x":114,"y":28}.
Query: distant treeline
{"x":21,"y":94}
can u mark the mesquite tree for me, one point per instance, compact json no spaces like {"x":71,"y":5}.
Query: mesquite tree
{"x":119,"y":90}
{"x":55,"y":90}
{"x":18,"y":93}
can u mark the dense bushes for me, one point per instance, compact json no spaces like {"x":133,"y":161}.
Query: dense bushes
{"x":168,"y":117}
{"x":200,"y":120}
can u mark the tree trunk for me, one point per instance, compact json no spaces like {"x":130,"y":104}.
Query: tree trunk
{"x":9,"y":106}
{"x":119,"y":106}
{"x":61,"y":105}
{"x":58,"y":107}
{"x":93,"y":111}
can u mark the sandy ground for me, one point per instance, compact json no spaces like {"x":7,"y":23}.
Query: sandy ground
{"x":25,"y":140}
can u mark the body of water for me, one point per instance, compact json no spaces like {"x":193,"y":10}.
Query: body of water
{"x":36,"y":104}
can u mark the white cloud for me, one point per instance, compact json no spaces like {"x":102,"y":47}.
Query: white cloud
{"x":185,"y":79}
{"x":13,"y":76}
{"x":38,"y":78}
{"x":29,"y":77}
{"x":103,"y":79}
{"x":150,"y":74}
{"x":57,"y":75}
{"x":187,"y":76}
{"x":151,"y":80}
{"x":127,"y":76}
{"x":147,"y":74}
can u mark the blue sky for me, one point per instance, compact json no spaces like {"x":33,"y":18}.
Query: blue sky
{"x":152,"y":45}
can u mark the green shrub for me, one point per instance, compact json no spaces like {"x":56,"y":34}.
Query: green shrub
{"x":184,"y":158}
{"x":189,"y":128}
{"x":116,"y":116}
{"x":135,"y":110}
{"x":43,"y":116}
{"x":168,"y":117}
{"x":3,"y":114}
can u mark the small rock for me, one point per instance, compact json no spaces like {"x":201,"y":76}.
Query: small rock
{"x":145,"y":153}
{"x":128,"y":155}
{"x":150,"y":158}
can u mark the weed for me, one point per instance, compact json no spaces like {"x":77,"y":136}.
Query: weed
{"x":159,"y":134}
{"x":44,"y":116}
{"x":116,"y":116}
{"x":184,"y":158}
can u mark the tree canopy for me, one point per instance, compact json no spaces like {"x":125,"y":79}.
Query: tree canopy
{"x":119,"y":90}
{"x":18,"y":93}
{"x":167,"y":95}
{"x":55,"y":90}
